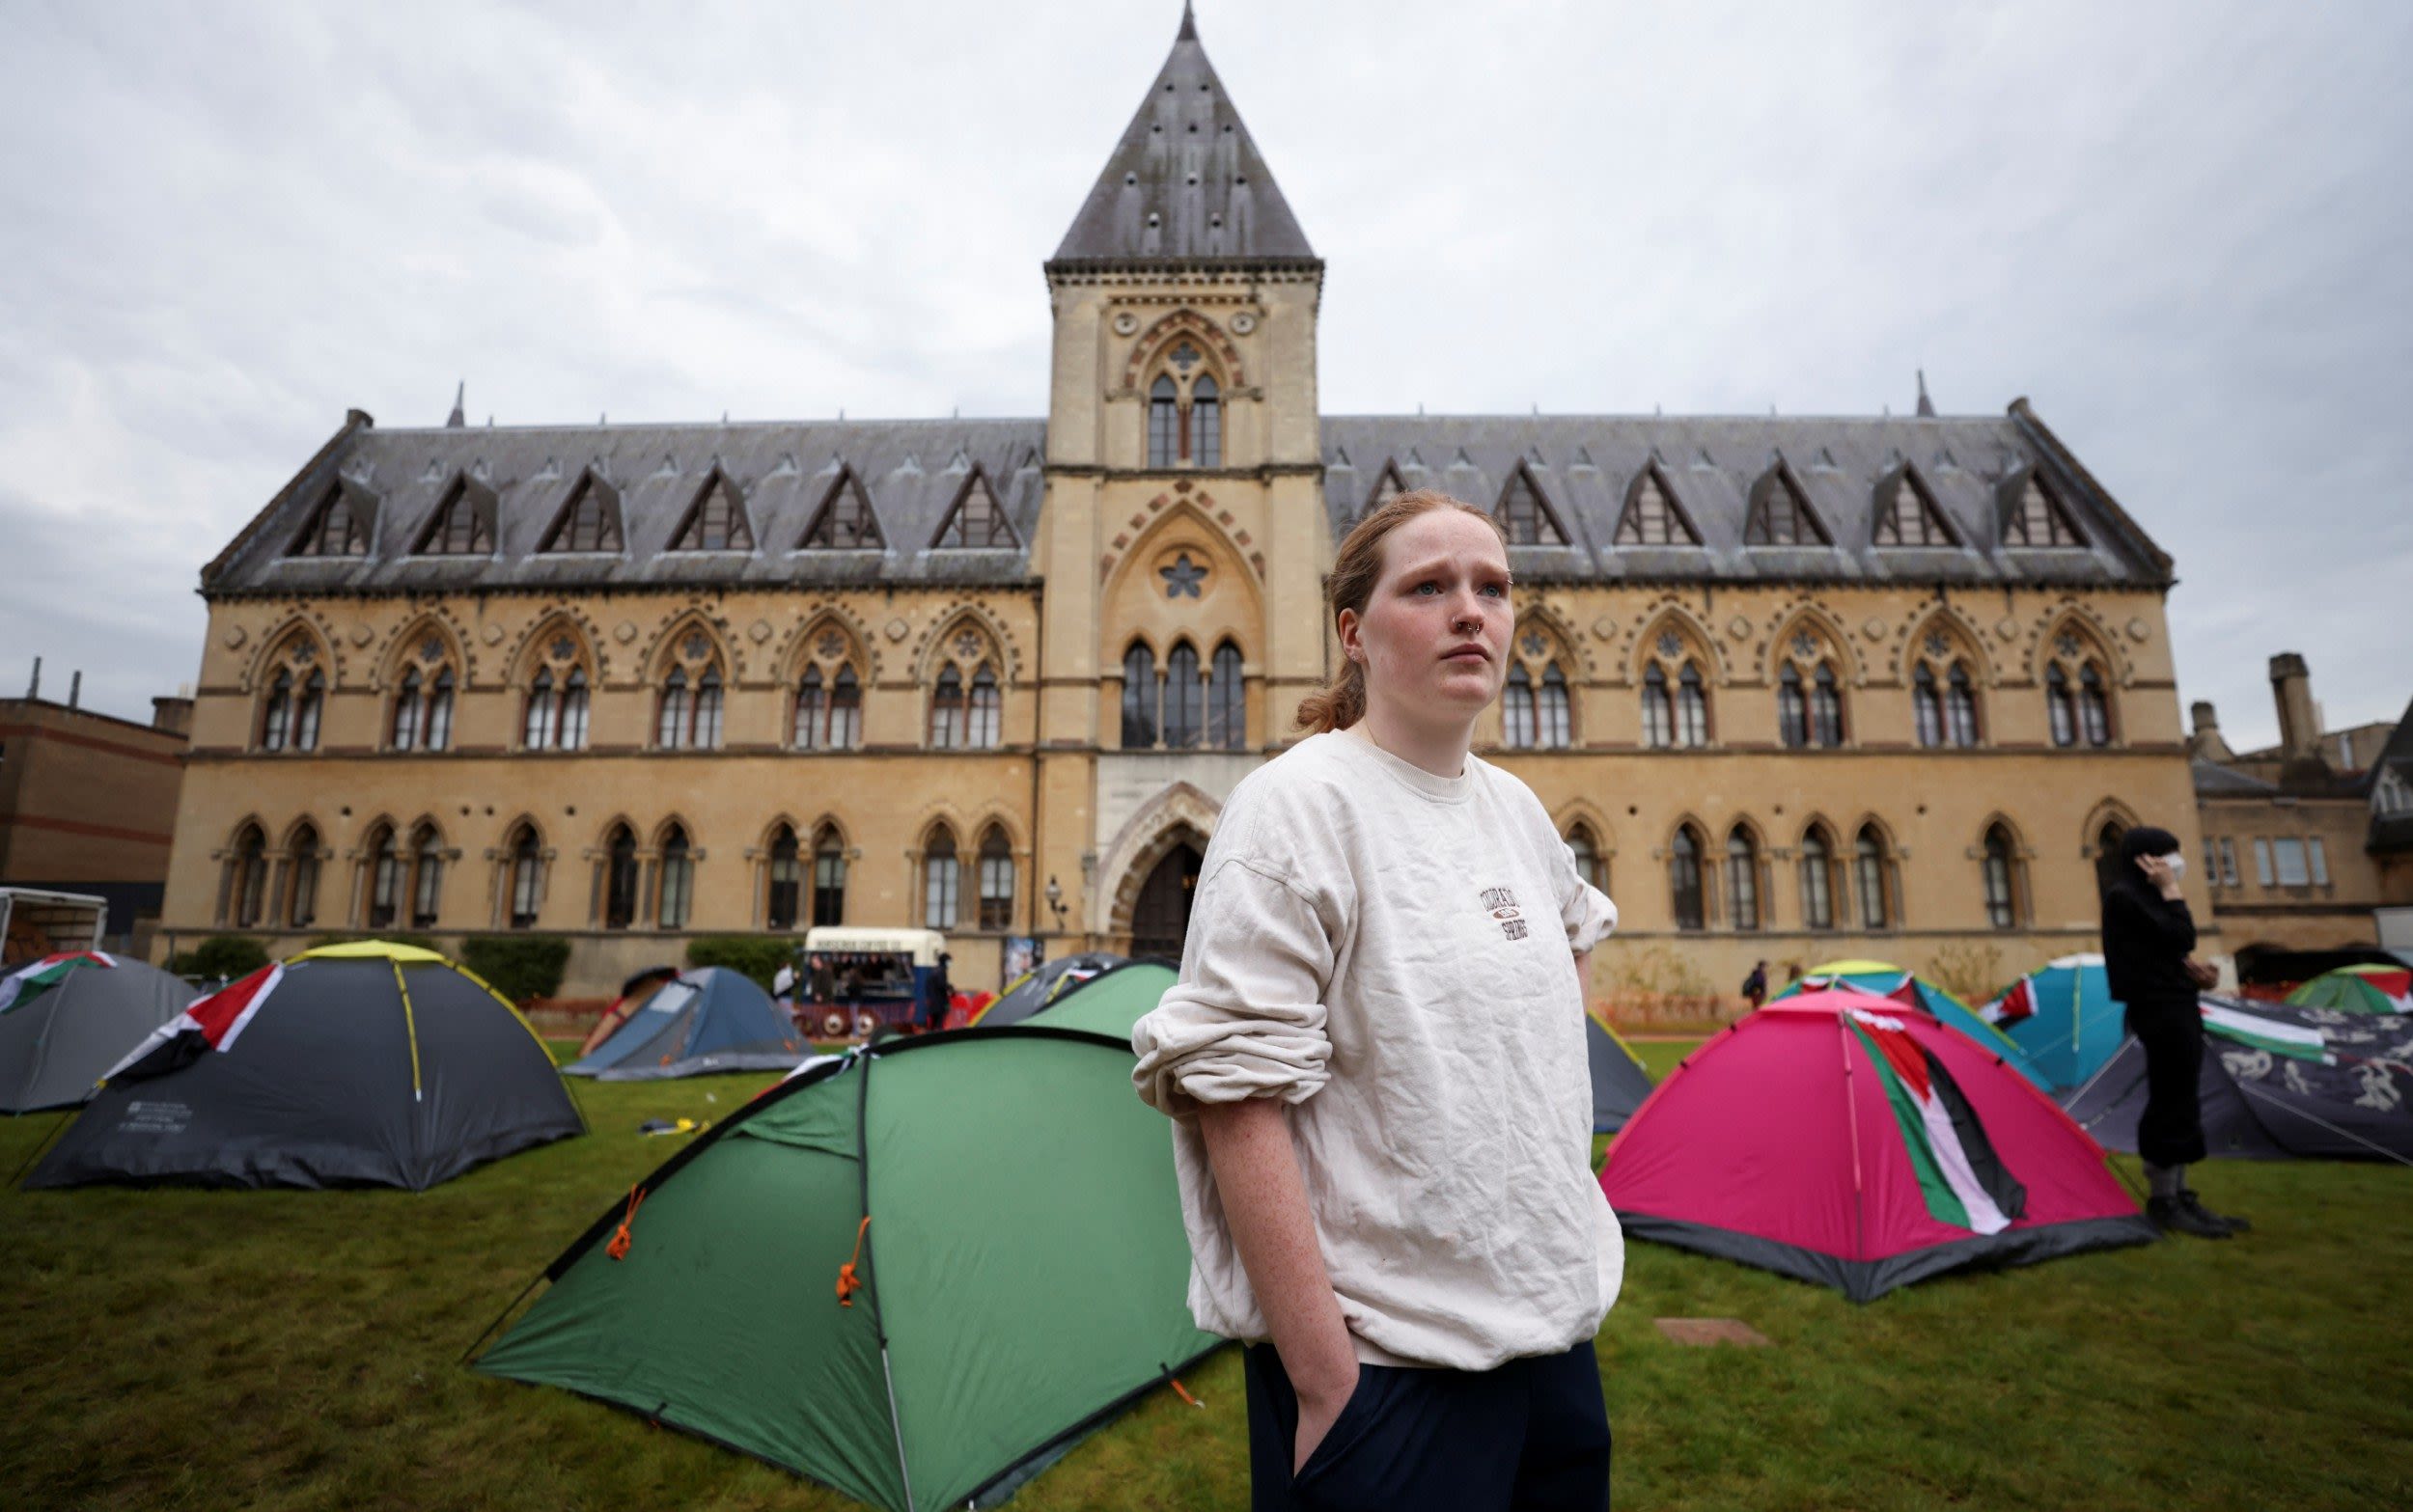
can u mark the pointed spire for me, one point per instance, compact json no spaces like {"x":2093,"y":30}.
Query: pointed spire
{"x":456,"y":420}
{"x":1186,"y":182}
{"x":1926,"y":405}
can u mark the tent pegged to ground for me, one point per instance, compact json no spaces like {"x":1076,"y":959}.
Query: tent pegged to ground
{"x":1836,"y":1139}
{"x":2278,"y":1082}
{"x":1619,"y":1083}
{"x":1883,"y":979}
{"x":66,"y":1019}
{"x":1042,"y":985}
{"x":704,"y":1020}
{"x":2062,"y":1017}
{"x":917,"y":1273}
{"x":2358,"y":989}
{"x":359,"y":1064}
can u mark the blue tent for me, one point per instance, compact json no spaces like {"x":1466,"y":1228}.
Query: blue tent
{"x":709,"y":1019}
{"x":1884,"y":980}
{"x":2063,"y":1016}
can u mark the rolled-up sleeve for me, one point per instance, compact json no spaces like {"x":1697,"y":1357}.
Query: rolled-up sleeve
{"x":1247,"y":1017}
{"x":1588,"y":913}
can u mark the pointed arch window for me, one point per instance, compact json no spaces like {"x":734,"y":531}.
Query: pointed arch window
{"x":1683,"y":878}
{"x":670,"y":730}
{"x":537,"y":727}
{"x":1516,"y":708}
{"x":1960,"y":708}
{"x":276,"y":715}
{"x":526,"y":877}
{"x":2000,"y":868}
{"x":619,"y":879}
{"x":1742,"y":879}
{"x":1826,"y":708}
{"x":1553,"y":713}
{"x":786,"y":879}
{"x":301,"y":900}
{"x":385,"y":879}
{"x":941,"y":880}
{"x":307,"y":709}
{"x":1590,"y":865}
{"x":1164,"y":422}
{"x":1872,"y":871}
{"x":676,"y":900}
{"x":427,"y":876}
{"x":405,"y":731}
{"x":811,"y":721}
{"x":555,"y":716}
{"x":707,"y":710}
{"x":1927,"y":702}
{"x":1817,"y":881}
{"x":996,"y":880}
{"x":829,"y":879}
{"x":2060,"y":708}
{"x":1226,"y":716}
{"x":1139,"y":697}
{"x":1793,"y":708}
{"x":1206,"y":421}
{"x":946,"y":710}
{"x":985,"y":714}
{"x":1658,"y":709}
{"x":2093,"y":706}
{"x":251,"y":878}
{"x":1186,"y":697}
{"x":1692,"y":708}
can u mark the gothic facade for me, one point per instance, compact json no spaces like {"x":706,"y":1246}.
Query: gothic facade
{"x":1795,"y":688}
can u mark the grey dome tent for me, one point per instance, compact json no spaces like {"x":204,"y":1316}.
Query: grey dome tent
{"x":362,"y":1064}
{"x":66,"y":1019}
{"x":706,"y":1019}
{"x":1619,"y":1083}
{"x":2277,"y":1082}
{"x":1042,"y":985}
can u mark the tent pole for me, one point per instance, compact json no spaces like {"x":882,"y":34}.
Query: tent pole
{"x":879,"y":1324}
{"x":1851,"y":1123}
{"x":410,"y":1026}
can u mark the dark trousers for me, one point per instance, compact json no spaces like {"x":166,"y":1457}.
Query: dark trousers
{"x":2170,"y":1130}
{"x":1532,"y":1436}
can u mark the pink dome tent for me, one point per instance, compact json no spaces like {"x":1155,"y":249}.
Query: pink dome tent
{"x":1839,"y":1139}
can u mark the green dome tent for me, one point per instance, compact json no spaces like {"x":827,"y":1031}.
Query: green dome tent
{"x":2358,"y":989}
{"x":917,"y":1273}
{"x":1111,"y":1002}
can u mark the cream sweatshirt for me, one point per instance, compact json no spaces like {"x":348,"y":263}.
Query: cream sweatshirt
{"x":1391,"y":953}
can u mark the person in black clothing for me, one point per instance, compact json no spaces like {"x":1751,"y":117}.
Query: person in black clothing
{"x":942,"y":993}
{"x":2148,"y":933}
{"x":1756,"y":985}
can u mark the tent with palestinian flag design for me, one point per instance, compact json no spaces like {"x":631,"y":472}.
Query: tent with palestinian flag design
{"x":362,"y":1064}
{"x":1883,"y":979}
{"x":2358,"y":989}
{"x":2063,"y":1017}
{"x":1835,"y":1138}
{"x":66,"y":1019}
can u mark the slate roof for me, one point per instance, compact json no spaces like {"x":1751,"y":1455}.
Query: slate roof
{"x":1973,"y":467}
{"x":1185,"y":181}
{"x":2215,"y":780}
{"x":911,"y":472}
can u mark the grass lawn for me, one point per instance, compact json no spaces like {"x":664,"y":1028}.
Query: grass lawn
{"x":286,"y":1350}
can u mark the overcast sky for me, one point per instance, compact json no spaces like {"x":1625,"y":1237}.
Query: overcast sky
{"x":2179,"y":229}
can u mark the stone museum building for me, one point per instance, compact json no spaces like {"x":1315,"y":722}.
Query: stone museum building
{"x":1794,"y":688}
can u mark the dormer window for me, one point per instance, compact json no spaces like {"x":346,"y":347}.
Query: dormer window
{"x":336,"y":528}
{"x":2035,"y":517}
{"x":845,"y":521}
{"x":977,"y":518}
{"x":1525,"y":512}
{"x":716,"y":520}
{"x":463,"y":525}
{"x":588,"y":521}
{"x":1906,"y":514}
{"x":1652,"y":517}
{"x":1780,"y":516}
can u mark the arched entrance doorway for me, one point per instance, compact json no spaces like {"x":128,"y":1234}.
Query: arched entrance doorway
{"x":2107,"y":854}
{"x":1160,"y":916}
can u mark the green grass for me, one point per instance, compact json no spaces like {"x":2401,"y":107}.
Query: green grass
{"x":290,"y":1349}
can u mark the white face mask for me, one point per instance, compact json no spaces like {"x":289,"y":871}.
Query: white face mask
{"x":2176,"y":862}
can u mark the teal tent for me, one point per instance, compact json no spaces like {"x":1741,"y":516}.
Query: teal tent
{"x":917,"y":1273}
{"x":2064,"y":1018}
{"x":704,"y":1020}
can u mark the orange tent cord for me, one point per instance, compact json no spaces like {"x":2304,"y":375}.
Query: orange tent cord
{"x":848,"y":1283}
{"x":618,"y":1249}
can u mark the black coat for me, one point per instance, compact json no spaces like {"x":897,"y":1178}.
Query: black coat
{"x":2146,"y":938}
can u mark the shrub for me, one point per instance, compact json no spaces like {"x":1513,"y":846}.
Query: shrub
{"x":228,"y":955}
{"x":758,"y":956}
{"x":521,"y":966}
